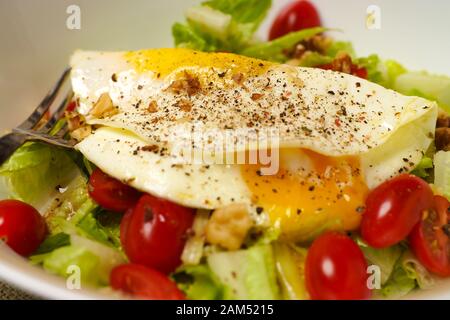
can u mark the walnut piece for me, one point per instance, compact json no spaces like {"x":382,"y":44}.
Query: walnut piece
{"x":104,"y":107}
{"x":442,"y":139}
{"x":189,"y":84}
{"x":228,"y":226}
{"x":81,"y":133}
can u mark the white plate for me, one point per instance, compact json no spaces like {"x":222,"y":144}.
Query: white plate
{"x":36,"y":46}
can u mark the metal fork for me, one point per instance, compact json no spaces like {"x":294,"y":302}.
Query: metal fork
{"x":37,"y":127}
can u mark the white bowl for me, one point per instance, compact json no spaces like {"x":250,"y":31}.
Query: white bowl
{"x":36,"y":46}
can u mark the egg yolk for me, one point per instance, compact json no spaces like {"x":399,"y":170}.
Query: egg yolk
{"x":165,"y":61}
{"x":317,"y":194}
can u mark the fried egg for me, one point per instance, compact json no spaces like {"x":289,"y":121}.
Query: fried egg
{"x":337,"y":136}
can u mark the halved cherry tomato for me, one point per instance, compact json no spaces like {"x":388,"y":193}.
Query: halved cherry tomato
{"x":71,"y":106}
{"x":429,"y":239}
{"x":144,"y":283}
{"x":21,"y":226}
{"x":393,"y":209}
{"x":295,"y":16}
{"x":155,"y":232}
{"x":336,"y":269}
{"x":110,"y":193}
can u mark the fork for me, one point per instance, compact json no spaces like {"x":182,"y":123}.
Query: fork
{"x":37,"y":127}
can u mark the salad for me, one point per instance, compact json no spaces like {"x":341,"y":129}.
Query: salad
{"x":357,"y":207}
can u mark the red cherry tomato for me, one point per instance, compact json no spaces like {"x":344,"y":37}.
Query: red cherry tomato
{"x":110,"y":193}
{"x":124,"y":226}
{"x":154,"y":233}
{"x":393,"y":209}
{"x":144,"y":283}
{"x":336,"y":269}
{"x":71,"y":106}
{"x":429,"y":239}
{"x":295,"y":16}
{"x":21,"y":226}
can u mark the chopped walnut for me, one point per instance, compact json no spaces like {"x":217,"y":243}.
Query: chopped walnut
{"x":238,"y":78}
{"x":81,"y":133}
{"x":442,"y":139}
{"x":442,"y":136}
{"x":318,"y":43}
{"x":104,"y":107}
{"x":229,"y":226}
{"x":152,"y":107}
{"x":188,"y":84}
{"x":342,"y":63}
{"x":184,"y":104}
{"x":443,"y":120}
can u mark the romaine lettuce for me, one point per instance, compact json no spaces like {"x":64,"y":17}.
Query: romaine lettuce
{"x":93,"y":259}
{"x":221,"y":25}
{"x":442,"y":172}
{"x":34,"y":172}
{"x":200,"y":283}
{"x":249,"y":273}
{"x":274,"y":50}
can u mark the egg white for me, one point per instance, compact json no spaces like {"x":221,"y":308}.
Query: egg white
{"x":389,"y":132}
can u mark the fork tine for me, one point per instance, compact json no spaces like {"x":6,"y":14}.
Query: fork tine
{"x":57,"y":115}
{"x":37,"y":136}
{"x":39,"y":112}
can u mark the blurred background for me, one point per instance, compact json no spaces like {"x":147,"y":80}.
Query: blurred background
{"x":36,"y":44}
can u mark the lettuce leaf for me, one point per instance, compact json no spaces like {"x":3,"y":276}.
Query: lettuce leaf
{"x":53,"y":242}
{"x":94,"y":260}
{"x":34,"y":172}
{"x":200,"y":283}
{"x":314,"y":59}
{"x":340,"y":46}
{"x":428,"y":86}
{"x":422,"y":170}
{"x":399,"y":284}
{"x":274,"y":50}
{"x":385,"y":258}
{"x":221,"y":25}
{"x":102,"y":226}
{"x":442,"y":172}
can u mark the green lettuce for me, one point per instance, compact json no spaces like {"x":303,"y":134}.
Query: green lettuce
{"x":94,"y":260}
{"x":221,"y":25}
{"x":34,"y":172}
{"x":275,"y":50}
{"x":422,"y":170}
{"x":399,"y":284}
{"x":200,"y":283}
{"x":102,"y":226}
{"x":250,"y":273}
{"x":428,"y":86}
{"x":340,"y":46}
{"x":53,"y":242}
{"x":442,"y":172}
{"x":385,"y":258}
{"x":408,"y":274}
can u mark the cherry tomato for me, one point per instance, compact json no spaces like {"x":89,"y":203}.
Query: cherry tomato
{"x":124,"y":226}
{"x":110,"y":193}
{"x":71,"y":106}
{"x":295,"y":16}
{"x":144,"y":283}
{"x":393,"y":209}
{"x":21,"y":226}
{"x":154,"y":233}
{"x":429,"y":239}
{"x":336,"y":269}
